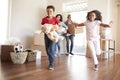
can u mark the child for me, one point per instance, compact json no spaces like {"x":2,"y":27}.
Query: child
{"x":93,"y":23}
{"x":50,"y":45}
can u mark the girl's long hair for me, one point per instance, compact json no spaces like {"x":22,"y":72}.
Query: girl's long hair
{"x":97,"y":13}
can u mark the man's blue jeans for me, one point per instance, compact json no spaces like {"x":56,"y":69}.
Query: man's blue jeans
{"x":70,"y":40}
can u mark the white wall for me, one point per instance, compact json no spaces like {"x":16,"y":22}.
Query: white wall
{"x":26,"y":16}
{"x":117,"y":21}
{"x":100,"y":5}
{"x":4,"y":4}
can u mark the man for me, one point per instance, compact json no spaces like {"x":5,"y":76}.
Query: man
{"x":69,"y":36}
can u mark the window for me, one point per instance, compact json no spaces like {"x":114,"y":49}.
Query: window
{"x":76,"y":6}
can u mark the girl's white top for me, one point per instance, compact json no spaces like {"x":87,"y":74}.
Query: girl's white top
{"x":92,"y":29}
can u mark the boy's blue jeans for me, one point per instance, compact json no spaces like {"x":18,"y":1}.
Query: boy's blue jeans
{"x":50,"y":49}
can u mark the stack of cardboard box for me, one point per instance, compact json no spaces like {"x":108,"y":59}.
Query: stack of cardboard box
{"x":38,"y":43}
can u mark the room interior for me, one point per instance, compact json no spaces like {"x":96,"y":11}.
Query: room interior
{"x":21,"y":20}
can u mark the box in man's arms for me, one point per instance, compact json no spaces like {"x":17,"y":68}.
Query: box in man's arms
{"x":72,"y":29}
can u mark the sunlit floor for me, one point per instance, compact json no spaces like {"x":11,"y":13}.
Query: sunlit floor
{"x":66,"y":68}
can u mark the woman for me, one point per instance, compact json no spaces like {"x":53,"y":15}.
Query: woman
{"x":62,"y":25}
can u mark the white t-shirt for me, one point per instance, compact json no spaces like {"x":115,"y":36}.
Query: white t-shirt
{"x":92,"y":29}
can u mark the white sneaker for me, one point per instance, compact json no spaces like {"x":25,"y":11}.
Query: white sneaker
{"x":51,"y":68}
{"x":56,"y":55}
{"x":96,"y":67}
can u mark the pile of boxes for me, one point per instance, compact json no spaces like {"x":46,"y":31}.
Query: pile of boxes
{"x":38,"y":43}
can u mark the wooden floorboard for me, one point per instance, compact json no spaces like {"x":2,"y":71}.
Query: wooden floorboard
{"x":66,"y":68}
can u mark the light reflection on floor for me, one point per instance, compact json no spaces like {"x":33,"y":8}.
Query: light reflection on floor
{"x":77,"y":66}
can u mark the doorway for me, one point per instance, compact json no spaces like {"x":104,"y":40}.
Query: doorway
{"x":80,"y":38}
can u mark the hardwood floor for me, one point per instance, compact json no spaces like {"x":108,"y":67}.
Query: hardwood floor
{"x":66,"y":68}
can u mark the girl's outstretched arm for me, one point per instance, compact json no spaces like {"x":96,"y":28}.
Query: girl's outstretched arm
{"x":107,"y":25}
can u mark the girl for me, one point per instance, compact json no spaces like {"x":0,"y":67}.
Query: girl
{"x":93,"y":23}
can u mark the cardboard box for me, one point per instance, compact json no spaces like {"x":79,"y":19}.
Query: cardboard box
{"x":5,"y":52}
{"x":39,"y":47}
{"x":72,"y":29}
{"x":39,"y":44}
{"x":38,"y":39}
